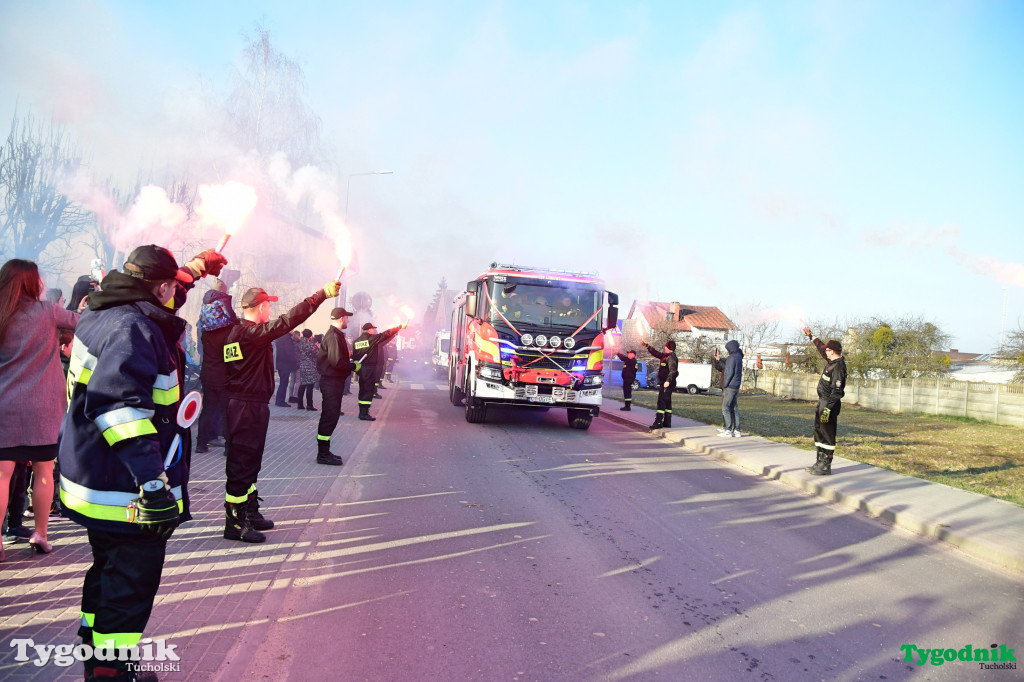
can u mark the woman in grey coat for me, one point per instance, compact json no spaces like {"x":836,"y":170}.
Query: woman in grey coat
{"x":33,"y":394}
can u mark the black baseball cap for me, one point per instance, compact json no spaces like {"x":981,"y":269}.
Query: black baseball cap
{"x":368,"y":325}
{"x":340,"y":312}
{"x":154,"y":263}
{"x":253,"y":297}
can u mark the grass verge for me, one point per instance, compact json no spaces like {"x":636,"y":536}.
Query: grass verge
{"x":977,"y":456}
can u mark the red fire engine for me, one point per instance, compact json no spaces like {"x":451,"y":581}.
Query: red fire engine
{"x":530,"y":337}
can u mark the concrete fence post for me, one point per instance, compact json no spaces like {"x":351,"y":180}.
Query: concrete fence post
{"x":936,"y":396}
{"x":999,"y":389}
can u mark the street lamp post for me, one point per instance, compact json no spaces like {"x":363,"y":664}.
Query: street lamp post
{"x":339,"y":300}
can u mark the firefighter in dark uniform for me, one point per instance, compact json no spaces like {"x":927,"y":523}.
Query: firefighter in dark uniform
{"x":628,"y":377}
{"x":668,"y":370}
{"x":830,"y":394}
{"x":249,"y":356}
{"x":335,"y":366}
{"x":367,"y":352}
{"x":116,"y":479}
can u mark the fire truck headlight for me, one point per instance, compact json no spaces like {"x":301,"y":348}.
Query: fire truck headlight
{"x":541,"y":340}
{"x":490,"y":373}
{"x":527,"y":339}
{"x":593,"y":380}
{"x":569,"y":343}
{"x":555,"y":341}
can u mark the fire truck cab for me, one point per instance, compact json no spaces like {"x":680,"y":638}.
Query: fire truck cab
{"x":530,"y":337}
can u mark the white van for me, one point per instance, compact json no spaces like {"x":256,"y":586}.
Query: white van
{"x":693,"y":377}
{"x":439,"y":357}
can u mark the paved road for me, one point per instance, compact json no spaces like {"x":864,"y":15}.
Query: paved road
{"x":521,"y":549}
{"x":524,"y":550}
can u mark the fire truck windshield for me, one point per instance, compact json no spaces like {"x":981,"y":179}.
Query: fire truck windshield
{"x":536,"y":306}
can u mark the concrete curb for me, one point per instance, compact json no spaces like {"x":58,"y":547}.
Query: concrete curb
{"x":983,"y":527}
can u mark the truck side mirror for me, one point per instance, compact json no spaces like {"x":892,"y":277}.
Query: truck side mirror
{"x":613,"y":298}
{"x":471,"y":291}
{"x":613,"y":317}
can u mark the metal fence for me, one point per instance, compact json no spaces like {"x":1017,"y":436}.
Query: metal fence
{"x":998,"y":403}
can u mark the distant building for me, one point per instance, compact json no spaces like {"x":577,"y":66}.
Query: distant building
{"x":680,"y":320}
{"x":978,"y":367}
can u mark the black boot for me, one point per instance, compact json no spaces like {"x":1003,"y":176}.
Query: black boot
{"x":824,"y":468}
{"x":364,"y":414}
{"x":659,"y":421}
{"x":816,"y":467}
{"x":237,"y":525}
{"x":324,"y":454}
{"x":668,"y":420}
{"x":625,"y":408}
{"x":258,"y":521}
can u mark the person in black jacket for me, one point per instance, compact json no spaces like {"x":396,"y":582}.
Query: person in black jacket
{"x":286,"y":356}
{"x":250,"y":360}
{"x":830,"y":395}
{"x":335,"y":366}
{"x":367,"y":352}
{"x":628,"y":377}
{"x":668,"y":370}
{"x":215,"y":322}
{"x":732,"y":377}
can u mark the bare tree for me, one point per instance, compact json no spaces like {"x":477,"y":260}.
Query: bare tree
{"x":266,"y":108}
{"x":35,"y":214}
{"x":1013,"y":348}
{"x":757,"y":328}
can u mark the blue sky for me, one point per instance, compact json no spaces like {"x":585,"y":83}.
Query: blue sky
{"x":851,"y":159}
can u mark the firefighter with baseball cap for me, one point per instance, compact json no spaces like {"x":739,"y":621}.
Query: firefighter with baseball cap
{"x":249,"y":357}
{"x":367,"y":351}
{"x":335,"y":365}
{"x":121,"y":476}
{"x":668,"y":370}
{"x":830,"y":394}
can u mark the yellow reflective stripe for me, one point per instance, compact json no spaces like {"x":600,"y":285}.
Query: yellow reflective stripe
{"x":824,"y":446}
{"x":825,"y":377}
{"x":319,"y":437}
{"x":116,"y":639}
{"x":121,"y":415}
{"x":236,"y":499}
{"x":252,"y":488}
{"x":88,"y":619}
{"x":596,"y":356}
{"x":166,"y":396}
{"x":133,"y":429}
{"x":105,"y":512}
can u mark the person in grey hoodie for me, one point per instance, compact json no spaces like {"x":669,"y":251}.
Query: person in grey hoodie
{"x":732,"y":376}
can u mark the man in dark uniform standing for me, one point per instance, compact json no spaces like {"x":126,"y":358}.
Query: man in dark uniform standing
{"x":335,"y":366}
{"x":668,"y":370}
{"x":249,"y":356}
{"x":366,"y":351}
{"x":214,"y":324}
{"x":830,"y":395}
{"x":628,"y":377}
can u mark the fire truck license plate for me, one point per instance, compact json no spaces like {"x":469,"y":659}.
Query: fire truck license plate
{"x":541,"y":399}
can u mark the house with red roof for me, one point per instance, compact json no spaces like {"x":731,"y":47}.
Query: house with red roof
{"x":681,"y":320}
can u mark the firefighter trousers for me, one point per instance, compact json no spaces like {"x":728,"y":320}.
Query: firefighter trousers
{"x":664,"y":398}
{"x":367,"y":384}
{"x":627,"y":389}
{"x":825,"y":434}
{"x":332,"y":389}
{"x":247,"y":436}
{"x":119,"y":588}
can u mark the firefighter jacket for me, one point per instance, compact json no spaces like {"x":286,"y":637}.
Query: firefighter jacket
{"x":123,"y":394}
{"x":369,"y":345}
{"x":333,"y":360}
{"x":668,"y":370}
{"x":832,"y":383}
{"x":628,"y":368}
{"x":249,"y":351}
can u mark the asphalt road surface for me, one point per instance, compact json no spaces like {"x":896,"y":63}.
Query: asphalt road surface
{"x":521,"y":549}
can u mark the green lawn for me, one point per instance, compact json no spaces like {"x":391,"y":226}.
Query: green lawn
{"x":977,"y":456}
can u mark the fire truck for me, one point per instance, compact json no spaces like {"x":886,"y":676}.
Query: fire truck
{"x":530,"y":337}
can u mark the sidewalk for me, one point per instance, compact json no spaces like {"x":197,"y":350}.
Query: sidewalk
{"x":983,"y":527}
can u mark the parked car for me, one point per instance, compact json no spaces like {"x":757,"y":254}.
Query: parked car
{"x":613,"y":374}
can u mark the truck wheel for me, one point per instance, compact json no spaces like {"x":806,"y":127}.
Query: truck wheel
{"x":476,"y":410}
{"x":454,"y":392}
{"x":691,"y":389}
{"x":635,"y":385}
{"x":579,"y":419}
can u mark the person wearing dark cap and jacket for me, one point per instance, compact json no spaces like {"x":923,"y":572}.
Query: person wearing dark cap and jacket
{"x":335,"y":366}
{"x":215,"y":320}
{"x":628,"y":374}
{"x":115,"y":447}
{"x":668,"y":370}
{"x":830,"y":394}
{"x":249,"y":356}
{"x":732,"y":377}
{"x":366,"y":351}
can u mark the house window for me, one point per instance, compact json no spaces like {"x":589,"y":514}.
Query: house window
{"x":668,"y":317}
